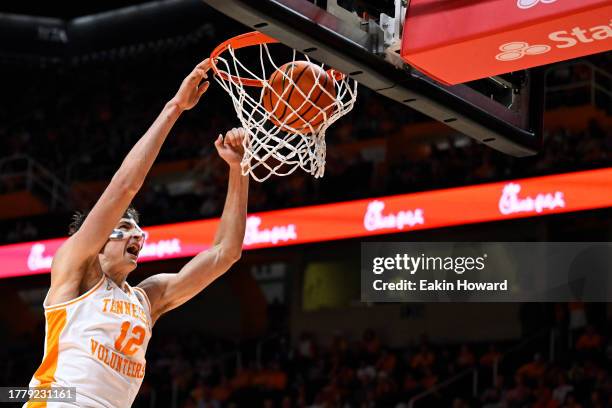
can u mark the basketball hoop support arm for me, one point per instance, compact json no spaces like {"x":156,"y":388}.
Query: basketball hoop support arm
{"x":307,"y":28}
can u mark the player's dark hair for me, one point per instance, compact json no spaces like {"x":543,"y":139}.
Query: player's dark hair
{"x":79,"y":217}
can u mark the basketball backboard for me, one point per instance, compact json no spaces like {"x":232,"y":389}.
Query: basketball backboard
{"x":361,"y":38}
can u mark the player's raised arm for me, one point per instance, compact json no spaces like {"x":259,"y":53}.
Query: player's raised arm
{"x":77,"y":254}
{"x":167,"y":291}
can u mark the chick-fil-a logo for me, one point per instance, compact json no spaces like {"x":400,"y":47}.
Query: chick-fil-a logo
{"x":274,"y":235}
{"x":161,"y":249}
{"x":374,"y":218}
{"x":511,"y":203}
{"x":37,"y":259}
{"x":525,"y":4}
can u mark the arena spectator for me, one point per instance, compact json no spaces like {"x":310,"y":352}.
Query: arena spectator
{"x":424,"y":359}
{"x":490,"y":357}
{"x":589,"y":341}
{"x":534,"y":370}
{"x":465,"y":358}
{"x":370,"y":345}
{"x":386,"y":362}
{"x":563,"y":389}
{"x":571,"y":402}
{"x":543,"y":398}
{"x":519,"y":395}
{"x":493,"y":396}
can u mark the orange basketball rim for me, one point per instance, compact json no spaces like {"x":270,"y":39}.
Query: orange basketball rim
{"x":245,"y":40}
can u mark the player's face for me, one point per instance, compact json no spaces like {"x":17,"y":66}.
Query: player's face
{"x":124,"y":245}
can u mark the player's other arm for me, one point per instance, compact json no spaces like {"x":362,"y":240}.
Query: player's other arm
{"x":167,"y":291}
{"x":77,"y":254}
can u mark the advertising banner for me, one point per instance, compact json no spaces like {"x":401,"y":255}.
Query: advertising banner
{"x":460,"y":41}
{"x":360,"y":218}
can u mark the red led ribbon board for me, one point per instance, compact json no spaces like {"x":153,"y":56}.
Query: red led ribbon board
{"x":383,"y":215}
{"x":459,"y":41}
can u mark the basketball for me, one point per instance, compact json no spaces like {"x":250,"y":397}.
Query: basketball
{"x":304,"y":109}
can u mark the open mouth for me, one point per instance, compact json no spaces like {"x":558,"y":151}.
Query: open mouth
{"x":133,"y":249}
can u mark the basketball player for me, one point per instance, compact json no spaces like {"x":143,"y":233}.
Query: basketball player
{"x":98,"y":326}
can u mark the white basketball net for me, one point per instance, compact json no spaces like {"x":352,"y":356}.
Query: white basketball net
{"x":273,"y":147}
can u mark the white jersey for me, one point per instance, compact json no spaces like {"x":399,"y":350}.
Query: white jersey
{"x":96,"y":343}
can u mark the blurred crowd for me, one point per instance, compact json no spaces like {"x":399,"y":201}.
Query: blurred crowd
{"x":200,"y":193}
{"x":80,"y":120}
{"x":562,"y":151}
{"x":580,"y":382}
{"x":367,"y":374}
{"x":563,"y":363}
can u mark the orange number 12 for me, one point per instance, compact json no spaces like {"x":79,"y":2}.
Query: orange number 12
{"x":131,"y":346}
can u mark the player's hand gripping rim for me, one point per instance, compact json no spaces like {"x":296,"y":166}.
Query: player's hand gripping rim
{"x":193,"y":87}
